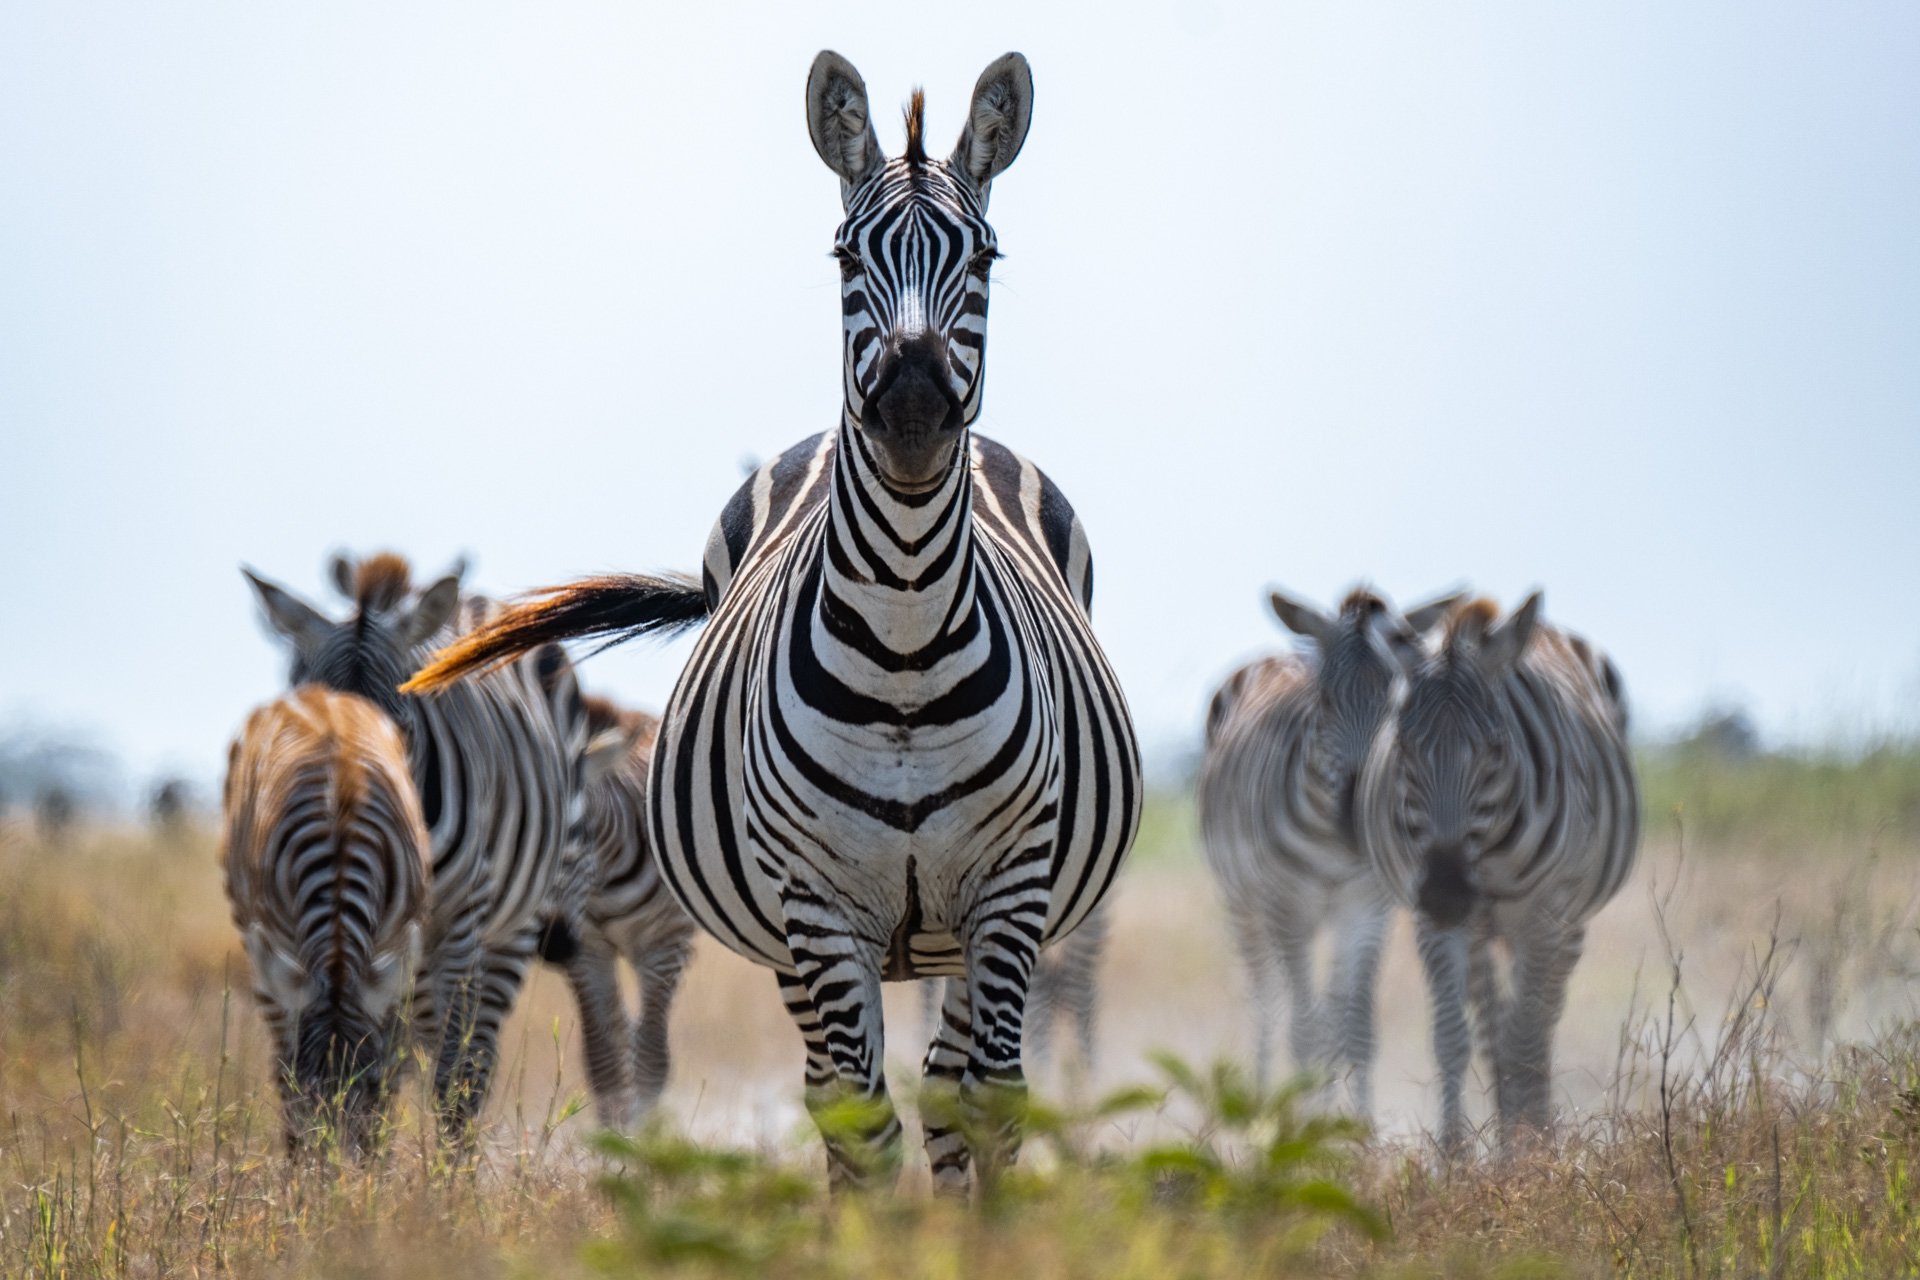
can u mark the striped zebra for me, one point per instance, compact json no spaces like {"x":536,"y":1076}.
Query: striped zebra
{"x":1286,"y":736}
{"x":1499,"y":802}
{"x":327,"y":865}
{"x":628,"y":912}
{"x":897,"y":751}
{"x":497,"y":767}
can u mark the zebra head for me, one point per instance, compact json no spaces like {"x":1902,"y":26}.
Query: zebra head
{"x":1455,"y":770}
{"x":370,"y":652}
{"x":1360,"y":652}
{"x":341,"y":1028}
{"x":914,"y":252}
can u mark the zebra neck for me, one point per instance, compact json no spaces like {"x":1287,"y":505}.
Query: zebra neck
{"x":899,"y":569}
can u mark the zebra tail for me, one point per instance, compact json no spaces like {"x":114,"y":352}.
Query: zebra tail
{"x":614,"y":607}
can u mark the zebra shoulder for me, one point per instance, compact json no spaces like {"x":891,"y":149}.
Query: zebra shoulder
{"x":773,"y":490}
{"x":1023,"y":492}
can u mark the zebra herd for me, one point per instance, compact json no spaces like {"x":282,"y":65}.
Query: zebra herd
{"x":897,"y":752}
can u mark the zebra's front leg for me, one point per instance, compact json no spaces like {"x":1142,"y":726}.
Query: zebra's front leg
{"x":1002,"y":944}
{"x":1544,"y":955}
{"x":833,"y":996}
{"x":1443,"y":954}
{"x":948,"y":1053}
{"x":470,"y":1045}
{"x":1360,"y":933}
{"x":1252,"y":931}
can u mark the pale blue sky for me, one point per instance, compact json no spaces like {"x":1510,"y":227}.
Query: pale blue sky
{"x":1619,"y":299}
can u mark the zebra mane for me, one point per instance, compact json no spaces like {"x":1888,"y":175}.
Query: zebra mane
{"x":1469,"y":625}
{"x":381,"y":581}
{"x":916,"y":124}
{"x":1362,"y":599}
{"x":602,"y":713}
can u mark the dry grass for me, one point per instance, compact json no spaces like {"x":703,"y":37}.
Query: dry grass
{"x":1737,"y":1077}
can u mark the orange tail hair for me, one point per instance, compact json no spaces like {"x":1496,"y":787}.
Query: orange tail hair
{"x":616,"y":606}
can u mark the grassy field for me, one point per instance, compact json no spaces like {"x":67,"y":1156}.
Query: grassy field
{"x":1738,"y":1078}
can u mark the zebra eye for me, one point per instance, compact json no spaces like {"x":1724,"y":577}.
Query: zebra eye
{"x":982,"y":262}
{"x":849,"y":261}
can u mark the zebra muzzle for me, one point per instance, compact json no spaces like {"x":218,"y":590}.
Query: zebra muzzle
{"x":913,"y":398}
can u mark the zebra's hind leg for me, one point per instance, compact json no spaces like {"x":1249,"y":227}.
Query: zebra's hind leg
{"x":1089,"y":944}
{"x":1443,"y":954}
{"x":660,"y":968}
{"x":1002,"y":943}
{"x":941,"y":1074}
{"x":1360,"y":932}
{"x":591,"y":966}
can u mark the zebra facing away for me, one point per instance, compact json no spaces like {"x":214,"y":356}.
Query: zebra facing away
{"x":326,"y":861}
{"x":897,"y":751}
{"x":1286,"y":737}
{"x":496,"y":765}
{"x":628,"y":912}
{"x":1499,"y":802}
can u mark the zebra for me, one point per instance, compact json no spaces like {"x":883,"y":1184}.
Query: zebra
{"x":1499,"y":802}
{"x":897,"y":751}
{"x":498,"y":770}
{"x":630,"y":913}
{"x":327,"y":871}
{"x":1286,"y":736}
{"x":1066,"y":984}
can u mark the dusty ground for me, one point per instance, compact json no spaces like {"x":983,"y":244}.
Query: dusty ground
{"x":1843,"y":923}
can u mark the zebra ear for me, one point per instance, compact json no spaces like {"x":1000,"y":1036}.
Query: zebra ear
{"x":996,"y":122}
{"x":431,"y":611}
{"x":341,"y":569}
{"x":1507,"y":642}
{"x":293,"y":618}
{"x":393,"y":971}
{"x":839,"y":122}
{"x":1301,"y":619}
{"x":1422,"y":617}
{"x":275,"y":972}
{"x":605,"y":752}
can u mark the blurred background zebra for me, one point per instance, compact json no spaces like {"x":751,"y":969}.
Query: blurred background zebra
{"x":327,"y":871}
{"x":1286,"y":736}
{"x":629,"y":913}
{"x":1500,"y":803}
{"x":497,"y":767}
